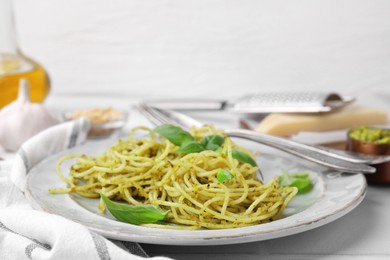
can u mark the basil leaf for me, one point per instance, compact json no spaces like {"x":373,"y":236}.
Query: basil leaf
{"x":301,"y":180}
{"x":303,"y":185}
{"x":243,"y":157}
{"x":219,"y":149}
{"x":285,"y":179}
{"x":191,"y":147}
{"x":224,"y":175}
{"x":174,"y":134}
{"x":134,"y":214}
{"x":212,"y":142}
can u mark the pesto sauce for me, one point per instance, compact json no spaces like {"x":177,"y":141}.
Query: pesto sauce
{"x":370,"y":135}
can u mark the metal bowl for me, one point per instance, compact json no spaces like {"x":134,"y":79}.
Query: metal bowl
{"x":382,"y":175}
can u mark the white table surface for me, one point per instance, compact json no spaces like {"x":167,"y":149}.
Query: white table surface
{"x":363,"y":233}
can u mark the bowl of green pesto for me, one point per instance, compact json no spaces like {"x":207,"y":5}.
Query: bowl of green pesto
{"x":374,"y":141}
{"x":366,"y":134}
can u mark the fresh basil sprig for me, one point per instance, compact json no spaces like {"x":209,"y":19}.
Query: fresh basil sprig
{"x":240,"y":156}
{"x":212,"y":142}
{"x":224,"y":175}
{"x":134,"y":214}
{"x":191,"y":147}
{"x":174,"y":134}
{"x":188,"y":143}
{"x":243,"y":157}
{"x":301,"y":180}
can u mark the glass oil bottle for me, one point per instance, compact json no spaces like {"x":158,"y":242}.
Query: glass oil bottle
{"x":15,"y":65}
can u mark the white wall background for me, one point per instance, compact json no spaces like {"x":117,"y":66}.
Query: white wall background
{"x":152,"y":48}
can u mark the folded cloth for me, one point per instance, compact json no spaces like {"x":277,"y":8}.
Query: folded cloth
{"x":26,"y":233}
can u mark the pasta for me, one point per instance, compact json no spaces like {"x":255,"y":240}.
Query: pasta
{"x":150,"y":170}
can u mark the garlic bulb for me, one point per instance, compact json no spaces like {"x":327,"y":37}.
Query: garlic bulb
{"x":22,"y":119}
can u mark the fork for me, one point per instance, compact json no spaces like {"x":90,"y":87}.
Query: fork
{"x":340,"y":162}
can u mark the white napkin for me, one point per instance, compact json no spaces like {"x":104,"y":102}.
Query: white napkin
{"x":26,"y":233}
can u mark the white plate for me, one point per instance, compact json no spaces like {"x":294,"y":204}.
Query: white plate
{"x":333,"y":196}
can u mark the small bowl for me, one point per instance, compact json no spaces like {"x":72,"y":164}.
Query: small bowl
{"x":382,"y":175}
{"x":104,"y":121}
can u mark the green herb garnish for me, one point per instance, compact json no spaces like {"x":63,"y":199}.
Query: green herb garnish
{"x":243,"y":157}
{"x":212,"y":142}
{"x":174,"y":134}
{"x":188,"y":143}
{"x":191,"y":147}
{"x":301,"y":180}
{"x":224,"y":175}
{"x":134,"y":214}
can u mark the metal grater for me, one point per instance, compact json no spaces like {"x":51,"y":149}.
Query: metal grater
{"x":293,"y":102}
{"x":270,"y":102}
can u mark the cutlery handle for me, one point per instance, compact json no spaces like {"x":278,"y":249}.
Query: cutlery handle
{"x":324,"y":157}
{"x":307,"y":152}
{"x":188,"y":104}
{"x":355,"y":157}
